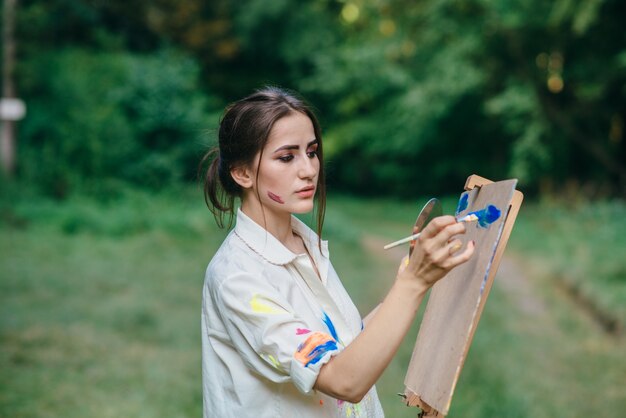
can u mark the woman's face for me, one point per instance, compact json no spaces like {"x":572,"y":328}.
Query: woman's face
{"x":289,"y":166}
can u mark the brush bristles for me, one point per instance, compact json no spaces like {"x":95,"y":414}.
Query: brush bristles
{"x":468,"y":218}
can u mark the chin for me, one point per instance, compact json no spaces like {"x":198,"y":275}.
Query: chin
{"x":303,"y":207}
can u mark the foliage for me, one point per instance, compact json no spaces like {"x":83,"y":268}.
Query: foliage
{"x":452,"y":87}
{"x":111,"y":116}
{"x":431,"y":90}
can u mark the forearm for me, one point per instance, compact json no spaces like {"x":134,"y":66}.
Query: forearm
{"x":370,"y":315}
{"x":354,"y":371}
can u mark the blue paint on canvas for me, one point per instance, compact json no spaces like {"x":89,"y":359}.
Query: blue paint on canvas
{"x":463,"y":202}
{"x":487,"y":216}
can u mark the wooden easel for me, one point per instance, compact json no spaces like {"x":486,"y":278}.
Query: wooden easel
{"x":418,"y":394}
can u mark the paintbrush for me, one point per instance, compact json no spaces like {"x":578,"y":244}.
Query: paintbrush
{"x":468,"y":218}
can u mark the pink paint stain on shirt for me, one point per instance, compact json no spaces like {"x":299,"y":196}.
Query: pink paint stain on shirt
{"x":275,"y":197}
{"x":300,"y":331}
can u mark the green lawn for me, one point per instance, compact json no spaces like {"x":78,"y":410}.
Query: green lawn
{"x":100,"y":307}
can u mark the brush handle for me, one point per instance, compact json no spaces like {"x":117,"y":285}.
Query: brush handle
{"x":468,"y":218}
{"x":402,"y":241}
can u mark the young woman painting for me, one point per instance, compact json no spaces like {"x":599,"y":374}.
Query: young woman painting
{"x":281,"y":337}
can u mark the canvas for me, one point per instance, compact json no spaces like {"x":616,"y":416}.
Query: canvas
{"x":456,"y":301}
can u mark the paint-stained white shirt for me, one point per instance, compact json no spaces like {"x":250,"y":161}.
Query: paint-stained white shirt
{"x":269,"y":323}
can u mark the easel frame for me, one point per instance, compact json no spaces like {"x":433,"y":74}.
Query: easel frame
{"x":474,"y":181}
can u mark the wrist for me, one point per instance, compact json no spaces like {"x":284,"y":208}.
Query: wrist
{"x":411,"y":286}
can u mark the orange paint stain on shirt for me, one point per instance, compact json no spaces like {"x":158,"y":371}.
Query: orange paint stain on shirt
{"x":314,"y":347}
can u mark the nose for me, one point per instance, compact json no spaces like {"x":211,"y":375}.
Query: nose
{"x":308,"y":168}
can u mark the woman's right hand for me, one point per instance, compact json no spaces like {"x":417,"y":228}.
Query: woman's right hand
{"x":435,"y":252}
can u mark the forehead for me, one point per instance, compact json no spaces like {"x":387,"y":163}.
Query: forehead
{"x":291,"y":129}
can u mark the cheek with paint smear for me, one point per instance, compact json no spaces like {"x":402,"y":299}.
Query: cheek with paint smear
{"x":275,"y":197}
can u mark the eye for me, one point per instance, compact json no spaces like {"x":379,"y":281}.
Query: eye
{"x":312,"y":152}
{"x":286,"y":158}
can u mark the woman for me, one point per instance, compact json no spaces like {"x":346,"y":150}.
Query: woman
{"x":281,"y":337}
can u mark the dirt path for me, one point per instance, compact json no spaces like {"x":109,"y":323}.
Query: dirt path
{"x":514,"y":280}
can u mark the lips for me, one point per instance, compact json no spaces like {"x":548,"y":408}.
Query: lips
{"x":306,"y":191}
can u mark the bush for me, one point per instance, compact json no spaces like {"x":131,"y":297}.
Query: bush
{"x":111,"y":116}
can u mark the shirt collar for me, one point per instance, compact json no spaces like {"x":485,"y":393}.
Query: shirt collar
{"x":271,"y":249}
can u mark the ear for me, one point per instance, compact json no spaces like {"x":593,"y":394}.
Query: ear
{"x":243,"y":176}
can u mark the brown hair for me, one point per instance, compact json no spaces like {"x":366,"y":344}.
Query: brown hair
{"x":244,"y":130}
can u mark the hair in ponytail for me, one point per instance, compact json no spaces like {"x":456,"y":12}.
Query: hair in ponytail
{"x":243,"y":132}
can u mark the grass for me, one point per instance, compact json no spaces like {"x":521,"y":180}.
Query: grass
{"x":582,"y":245}
{"x":100,"y":307}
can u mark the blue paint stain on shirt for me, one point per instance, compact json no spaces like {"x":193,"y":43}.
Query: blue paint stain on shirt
{"x":330,"y":326}
{"x":463,"y":201}
{"x":487,"y":216}
{"x":319,"y":352}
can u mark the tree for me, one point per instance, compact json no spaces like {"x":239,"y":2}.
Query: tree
{"x":433,"y":89}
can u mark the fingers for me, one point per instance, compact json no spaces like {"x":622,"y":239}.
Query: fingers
{"x":436,"y":225}
{"x":446,"y":251}
{"x":440,"y":233}
{"x":461,"y":258}
{"x":437,"y":250}
{"x":454,"y":246}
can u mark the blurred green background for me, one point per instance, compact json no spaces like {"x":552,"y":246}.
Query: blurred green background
{"x":104,"y":238}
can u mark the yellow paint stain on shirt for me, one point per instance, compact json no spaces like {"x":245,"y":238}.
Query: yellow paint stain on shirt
{"x":274,"y":362}
{"x":353,"y":409}
{"x":258,"y":306}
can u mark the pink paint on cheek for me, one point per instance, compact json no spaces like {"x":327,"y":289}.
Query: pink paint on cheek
{"x":275,"y":197}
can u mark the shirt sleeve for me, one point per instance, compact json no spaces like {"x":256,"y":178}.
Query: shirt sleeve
{"x":266,"y":330}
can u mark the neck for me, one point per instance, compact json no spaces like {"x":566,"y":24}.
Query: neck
{"x":276,"y":223}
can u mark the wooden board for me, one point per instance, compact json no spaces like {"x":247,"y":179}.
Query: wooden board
{"x":456,"y":302}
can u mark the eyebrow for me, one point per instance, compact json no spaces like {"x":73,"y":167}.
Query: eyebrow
{"x":292,"y":147}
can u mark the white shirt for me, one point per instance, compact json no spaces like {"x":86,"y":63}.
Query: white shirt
{"x":269,"y":323}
